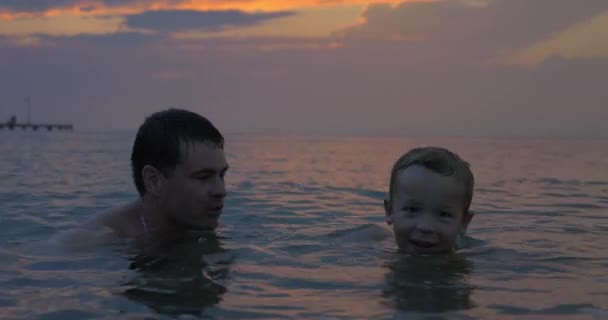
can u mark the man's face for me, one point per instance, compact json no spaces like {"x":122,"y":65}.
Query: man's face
{"x":427,"y":210}
{"x":193,"y":194}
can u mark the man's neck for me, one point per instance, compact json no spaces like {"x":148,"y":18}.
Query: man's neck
{"x":152,"y":219}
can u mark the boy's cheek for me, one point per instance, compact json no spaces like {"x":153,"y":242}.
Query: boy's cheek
{"x":400,"y":241}
{"x":450,"y":239}
{"x":400,"y":234}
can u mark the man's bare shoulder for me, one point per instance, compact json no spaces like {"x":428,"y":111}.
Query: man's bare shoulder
{"x":117,"y":219}
{"x":105,"y":227}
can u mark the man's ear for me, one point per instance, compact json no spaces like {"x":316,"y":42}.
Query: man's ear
{"x":468,"y":216}
{"x":153,"y":180}
{"x":388,"y":210}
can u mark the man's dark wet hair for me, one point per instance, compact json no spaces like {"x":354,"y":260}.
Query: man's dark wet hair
{"x":160,"y":138}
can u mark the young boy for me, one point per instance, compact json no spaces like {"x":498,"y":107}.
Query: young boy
{"x":429,"y":198}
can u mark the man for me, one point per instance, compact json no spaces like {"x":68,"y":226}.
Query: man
{"x":178,"y":166}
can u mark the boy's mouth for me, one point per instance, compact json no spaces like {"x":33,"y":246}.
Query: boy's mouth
{"x":422,"y":244}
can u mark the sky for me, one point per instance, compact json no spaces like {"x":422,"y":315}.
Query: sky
{"x":404,"y":67}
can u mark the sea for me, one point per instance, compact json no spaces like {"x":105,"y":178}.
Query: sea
{"x":303,"y":235}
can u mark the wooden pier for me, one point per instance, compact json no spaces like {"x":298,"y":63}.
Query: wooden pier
{"x":36,"y":126}
{"x":13,"y":124}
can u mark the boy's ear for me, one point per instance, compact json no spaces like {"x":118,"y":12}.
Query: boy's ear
{"x":468,"y":216}
{"x":153,"y":180}
{"x":388,"y":210}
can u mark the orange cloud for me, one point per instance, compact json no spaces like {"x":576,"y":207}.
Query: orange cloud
{"x":311,"y":18}
{"x":97,"y":7}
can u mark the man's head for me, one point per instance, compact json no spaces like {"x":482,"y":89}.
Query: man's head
{"x":178,"y":161}
{"x":430,"y":193}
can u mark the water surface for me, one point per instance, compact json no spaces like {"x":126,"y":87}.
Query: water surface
{"x":302,"y":234}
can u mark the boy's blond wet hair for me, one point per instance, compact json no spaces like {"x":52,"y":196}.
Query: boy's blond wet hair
{"x":439,"y":160}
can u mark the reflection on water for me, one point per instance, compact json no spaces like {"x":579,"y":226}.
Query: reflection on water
{"x":307,"y":238}
{"x":178,"y":277}
{"x":429,"y":283}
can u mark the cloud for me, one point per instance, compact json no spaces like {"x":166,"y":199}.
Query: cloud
{"x":434,"y":84}
{"x":345,"y":93}
{"x":125,"y":39}
{"x":34,"y":5}
{"x":138,"y":40}
{"x":82,"y":42}
{"x":477,"y":31}
{"x":102,"y":87}
{"x":185,"y":20}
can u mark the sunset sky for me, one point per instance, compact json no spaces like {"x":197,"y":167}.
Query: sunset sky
{"x":452,"y":67}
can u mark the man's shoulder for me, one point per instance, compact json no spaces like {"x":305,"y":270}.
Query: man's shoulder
{"x":108,"y":218}
{"x":86,"y":236}
{"x":102,"y":228}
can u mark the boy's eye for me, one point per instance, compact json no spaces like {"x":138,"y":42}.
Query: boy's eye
{"x":445,"y":214}
{"x":410,"y":209}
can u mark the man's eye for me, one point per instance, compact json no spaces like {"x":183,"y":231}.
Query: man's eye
{"x":410,"y":208}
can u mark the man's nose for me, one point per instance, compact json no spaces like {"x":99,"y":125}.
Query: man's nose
{"x":219,"y":188}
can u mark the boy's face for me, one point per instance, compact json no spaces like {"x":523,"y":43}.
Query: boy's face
{"x":426,"y":210}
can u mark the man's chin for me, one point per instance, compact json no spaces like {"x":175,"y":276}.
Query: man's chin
{"x":206,"y":226}
{"x":203,"y":225}
{"x":197,"y":231}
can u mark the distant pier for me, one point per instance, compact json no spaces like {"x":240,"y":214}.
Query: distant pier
{"x":13,"y":124}
{"x":36,"y":126}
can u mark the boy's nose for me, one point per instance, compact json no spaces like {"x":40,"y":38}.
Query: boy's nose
{"x":425,"y":224}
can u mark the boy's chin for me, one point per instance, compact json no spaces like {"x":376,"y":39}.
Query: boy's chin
{"x":413,"y":249}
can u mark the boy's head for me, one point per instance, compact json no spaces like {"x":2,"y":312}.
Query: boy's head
{"x":430,"y":194}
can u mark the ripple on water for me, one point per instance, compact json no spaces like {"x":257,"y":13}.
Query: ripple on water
{"x":304,"y":235}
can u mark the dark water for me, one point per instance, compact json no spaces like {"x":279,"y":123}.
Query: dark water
{"x":303,"y":235}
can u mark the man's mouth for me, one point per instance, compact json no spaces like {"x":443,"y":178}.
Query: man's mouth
{"x":215,"y":212}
